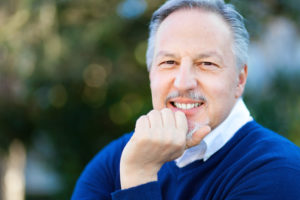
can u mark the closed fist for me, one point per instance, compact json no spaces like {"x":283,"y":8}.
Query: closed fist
{"x":159,"y":137}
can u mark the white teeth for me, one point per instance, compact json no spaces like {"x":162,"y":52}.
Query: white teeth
{"x":186,"y":106}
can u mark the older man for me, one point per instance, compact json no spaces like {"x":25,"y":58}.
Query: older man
{"x":200,"y":141}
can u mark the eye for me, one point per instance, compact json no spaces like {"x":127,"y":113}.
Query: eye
{"x":169,"y":62}
{"x":207,"y":64}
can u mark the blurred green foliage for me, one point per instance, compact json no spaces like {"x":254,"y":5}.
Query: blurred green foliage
{"x":75,"y":71}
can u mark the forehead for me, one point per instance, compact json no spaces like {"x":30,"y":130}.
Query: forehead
{"x":195,"y":28}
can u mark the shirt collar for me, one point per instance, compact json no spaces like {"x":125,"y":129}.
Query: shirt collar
{"x":218,"y":137}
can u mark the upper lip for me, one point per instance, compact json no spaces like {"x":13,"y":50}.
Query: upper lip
{"x":185,"y":100}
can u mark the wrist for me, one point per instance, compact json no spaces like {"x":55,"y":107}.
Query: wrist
{"x":131,"y":177}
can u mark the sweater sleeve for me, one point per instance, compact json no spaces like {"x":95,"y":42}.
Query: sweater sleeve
{"x":148,"y":191}
{"x":277,"y":183}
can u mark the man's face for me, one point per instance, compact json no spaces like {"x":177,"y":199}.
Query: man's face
{"x":194,"y":68}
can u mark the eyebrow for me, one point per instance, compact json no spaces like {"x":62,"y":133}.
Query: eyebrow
{"x":209,"y":54}
{"x":165,"y":54}
{"x":199,"y":56}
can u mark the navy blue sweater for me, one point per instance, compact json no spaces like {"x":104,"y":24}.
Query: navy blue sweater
{"x":255,"y":164}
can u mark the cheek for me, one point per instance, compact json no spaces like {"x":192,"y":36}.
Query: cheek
{"x":221,"y":93}
{"x":220,"y":101}
{"x":215,"y":85}
{"x":155,"y":94}
{"x":159,"y":90}
{"x":155,"y":85}
{"x":225,"y":92}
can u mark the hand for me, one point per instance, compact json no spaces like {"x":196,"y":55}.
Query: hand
{"x":159,"y":137}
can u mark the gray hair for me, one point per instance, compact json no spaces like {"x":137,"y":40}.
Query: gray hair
{"x":227,"y":11}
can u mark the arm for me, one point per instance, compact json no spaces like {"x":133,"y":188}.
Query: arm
{"x":159,"y":137}
{"x":148,"y":149}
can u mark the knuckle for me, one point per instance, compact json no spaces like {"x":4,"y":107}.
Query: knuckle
{"x":152,"y":141}
{"x":156,"y":131}
{"x":180,"y":116}
{"x":166,"y":111}
{"x":183,"y":128}
{"x":179,"y":113}
{"x":141,"y":119}
{"x":180,"y":132}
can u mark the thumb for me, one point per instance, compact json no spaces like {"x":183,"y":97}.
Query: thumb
{"x":197,"y":136}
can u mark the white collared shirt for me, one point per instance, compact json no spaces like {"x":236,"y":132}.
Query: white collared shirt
{"x":217,"y":138}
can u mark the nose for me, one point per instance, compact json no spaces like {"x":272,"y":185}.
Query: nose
{"x":185,"y":78}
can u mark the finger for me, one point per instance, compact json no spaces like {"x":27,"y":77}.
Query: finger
{"x":155,"y":119}
{"x":181,"y":121}
{"x":142,"y":124}
{"x":197,"y":136}
{"x":168,"y":118}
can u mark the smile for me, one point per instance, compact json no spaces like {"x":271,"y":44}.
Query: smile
{"x":185,"y":106}
{"x":190,"y":104}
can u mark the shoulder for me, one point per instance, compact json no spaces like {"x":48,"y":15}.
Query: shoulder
{"x":110,"y":155}
{"x":100,"y":176}
{"x":266,"y":144}
{"x":256,"y":151}
{"x":255,"y":148}
{"x":265,"y":164}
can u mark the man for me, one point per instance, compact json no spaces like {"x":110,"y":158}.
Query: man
{"x":200,"y":141}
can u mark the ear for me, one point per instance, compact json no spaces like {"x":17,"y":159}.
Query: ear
{"x":241,"y":82}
